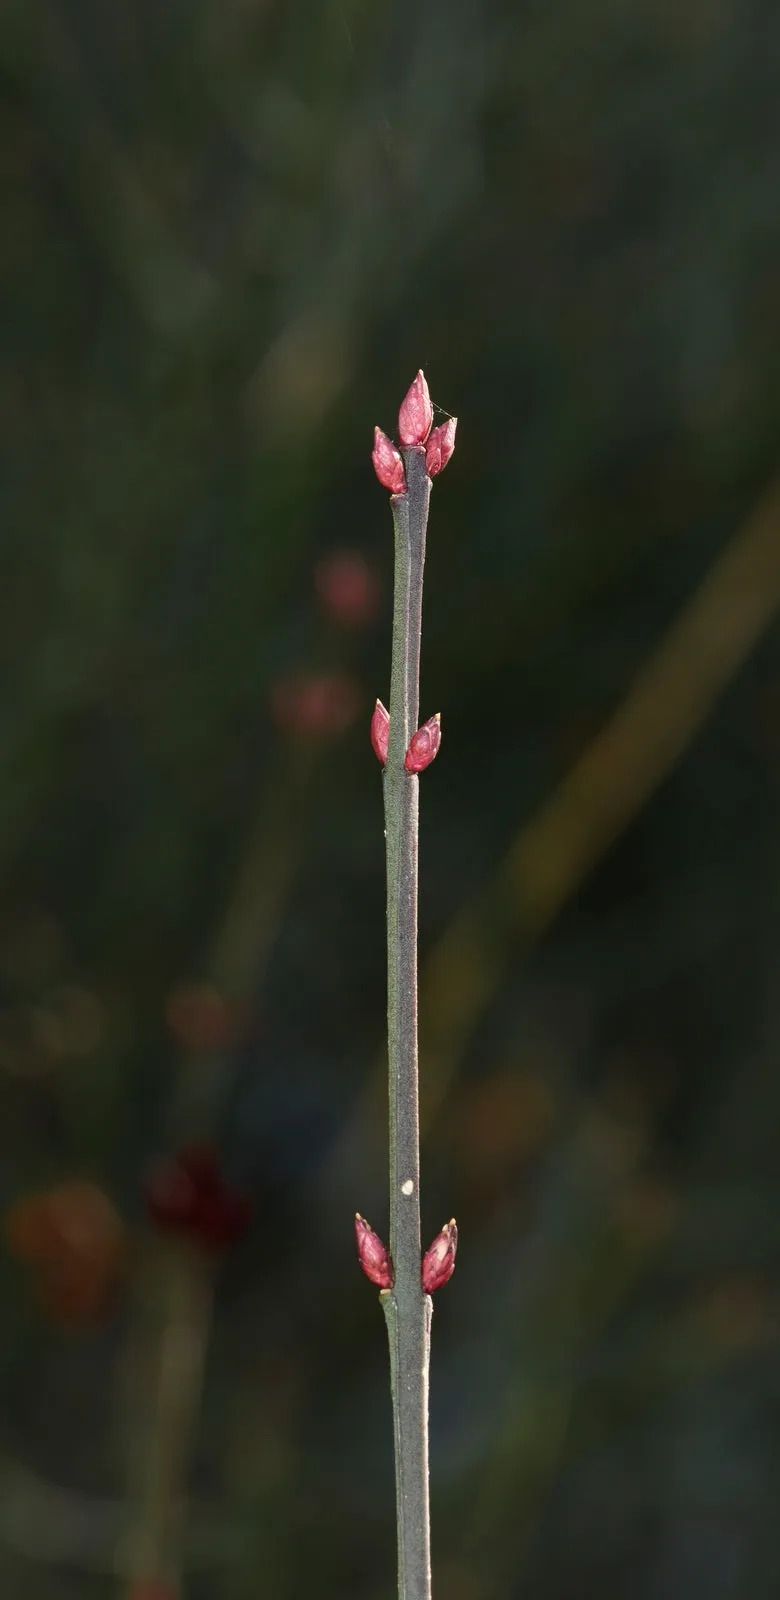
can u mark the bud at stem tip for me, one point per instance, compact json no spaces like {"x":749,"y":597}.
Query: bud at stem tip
{"x":416,"y":414}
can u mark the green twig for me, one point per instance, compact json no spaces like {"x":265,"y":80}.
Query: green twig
{"x":407,"y":1309}
{"x":152,"y":1548}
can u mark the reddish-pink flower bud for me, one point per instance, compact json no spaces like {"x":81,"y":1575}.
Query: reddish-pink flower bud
{"x":416,"y":414}
{"x":424,"y":745}
{"x":439,"y":1262}
{"x":380,"y":732}
{"x":388,"y":465}
{"x":373,"y":1255}
{"x":440,"y":447}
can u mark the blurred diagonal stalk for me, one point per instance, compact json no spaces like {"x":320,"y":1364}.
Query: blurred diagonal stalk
{"x":182,"y":1293}
{"x":245,"y":938}
{"x":625,"y":764}
{"x":554,"y":851}
{"x":407,"y":1309}
{"x":180,"y":1282}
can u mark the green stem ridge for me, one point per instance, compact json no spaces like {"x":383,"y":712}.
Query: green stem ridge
{"x":407,"y":1309}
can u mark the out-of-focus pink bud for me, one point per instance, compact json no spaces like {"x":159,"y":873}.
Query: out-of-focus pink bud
{"x":199,"y":1019}
{"x":388,"y":465}
{"x":348,"y":588}
{"x":380,"y":732}
{"x":440,"y":447}
{"x":416,"y":414}
{"x":74,"y":1244}
{"x":373,"y":1255}
{"x":424,"y":745}
{"x":439,"y":1262}
{"x":188,"y":1196}
{"x":317,"y":705}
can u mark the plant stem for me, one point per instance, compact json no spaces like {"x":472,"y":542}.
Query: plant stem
{"x":152,"y":1548}
{"x":407,"y":1309}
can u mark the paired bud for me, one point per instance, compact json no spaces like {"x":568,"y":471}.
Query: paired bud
{"x":424,"y":745}
{"x":373,"y":1255}
{"x":415,"y":417}
{"x":439,"y":1262}
{"x":440,"y":447}
{"x":388,"y":465}
{"x":380,"y":732}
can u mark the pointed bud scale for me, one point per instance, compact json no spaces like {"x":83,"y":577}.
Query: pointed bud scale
{"x":380,"y":732}
{"x":424,"y":746}
{"x":373,"y":1255}
{"x":416,"y":414}
{"x":440,"y":447}
{"x":439,"y":1262}
{"x":388,"y":465}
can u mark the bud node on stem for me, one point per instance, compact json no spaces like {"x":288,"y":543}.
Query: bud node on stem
{"x":440,"y":447}
{"x":380,"y":732}
{"x":373,"y":1254}
{"x":439,"y":1262}
{"x":388,"y":463}
{"x":424,"y":745}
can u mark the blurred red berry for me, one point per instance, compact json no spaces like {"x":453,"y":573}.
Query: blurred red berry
{"x":313,"y":706}
{"x":440,"y":447}
{"x":439,"y":1262}
{"x":152,"y":1589}
{"x":198,"y":1018}
{"x":188,"y":1196}
{"x":373,"y":1255}
{"x":424,"y":745}
{"x":416,"y":414}
{"x":388,"y":465}
{"x":348,"y":588}
{"x":73,"y":1240}
{"x":380,"y":732}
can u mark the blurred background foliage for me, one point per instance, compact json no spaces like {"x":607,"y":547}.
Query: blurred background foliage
{"x":232,"y":231}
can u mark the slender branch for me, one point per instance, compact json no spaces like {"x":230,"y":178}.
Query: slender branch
{"x":152,"y":1546}
{"x":407,"y":1308}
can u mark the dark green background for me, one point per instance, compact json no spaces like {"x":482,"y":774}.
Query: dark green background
{"x":231,"y":232}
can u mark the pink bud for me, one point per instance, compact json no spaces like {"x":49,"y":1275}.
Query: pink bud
{"x":388,"y":465}
{"x":416,"y":414}
{"x":380,"y":732}
{"x":373,"y":1255}
{"x":424,"y":746}
{"x":439,"y":1262}
{"x":440,"y":447}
